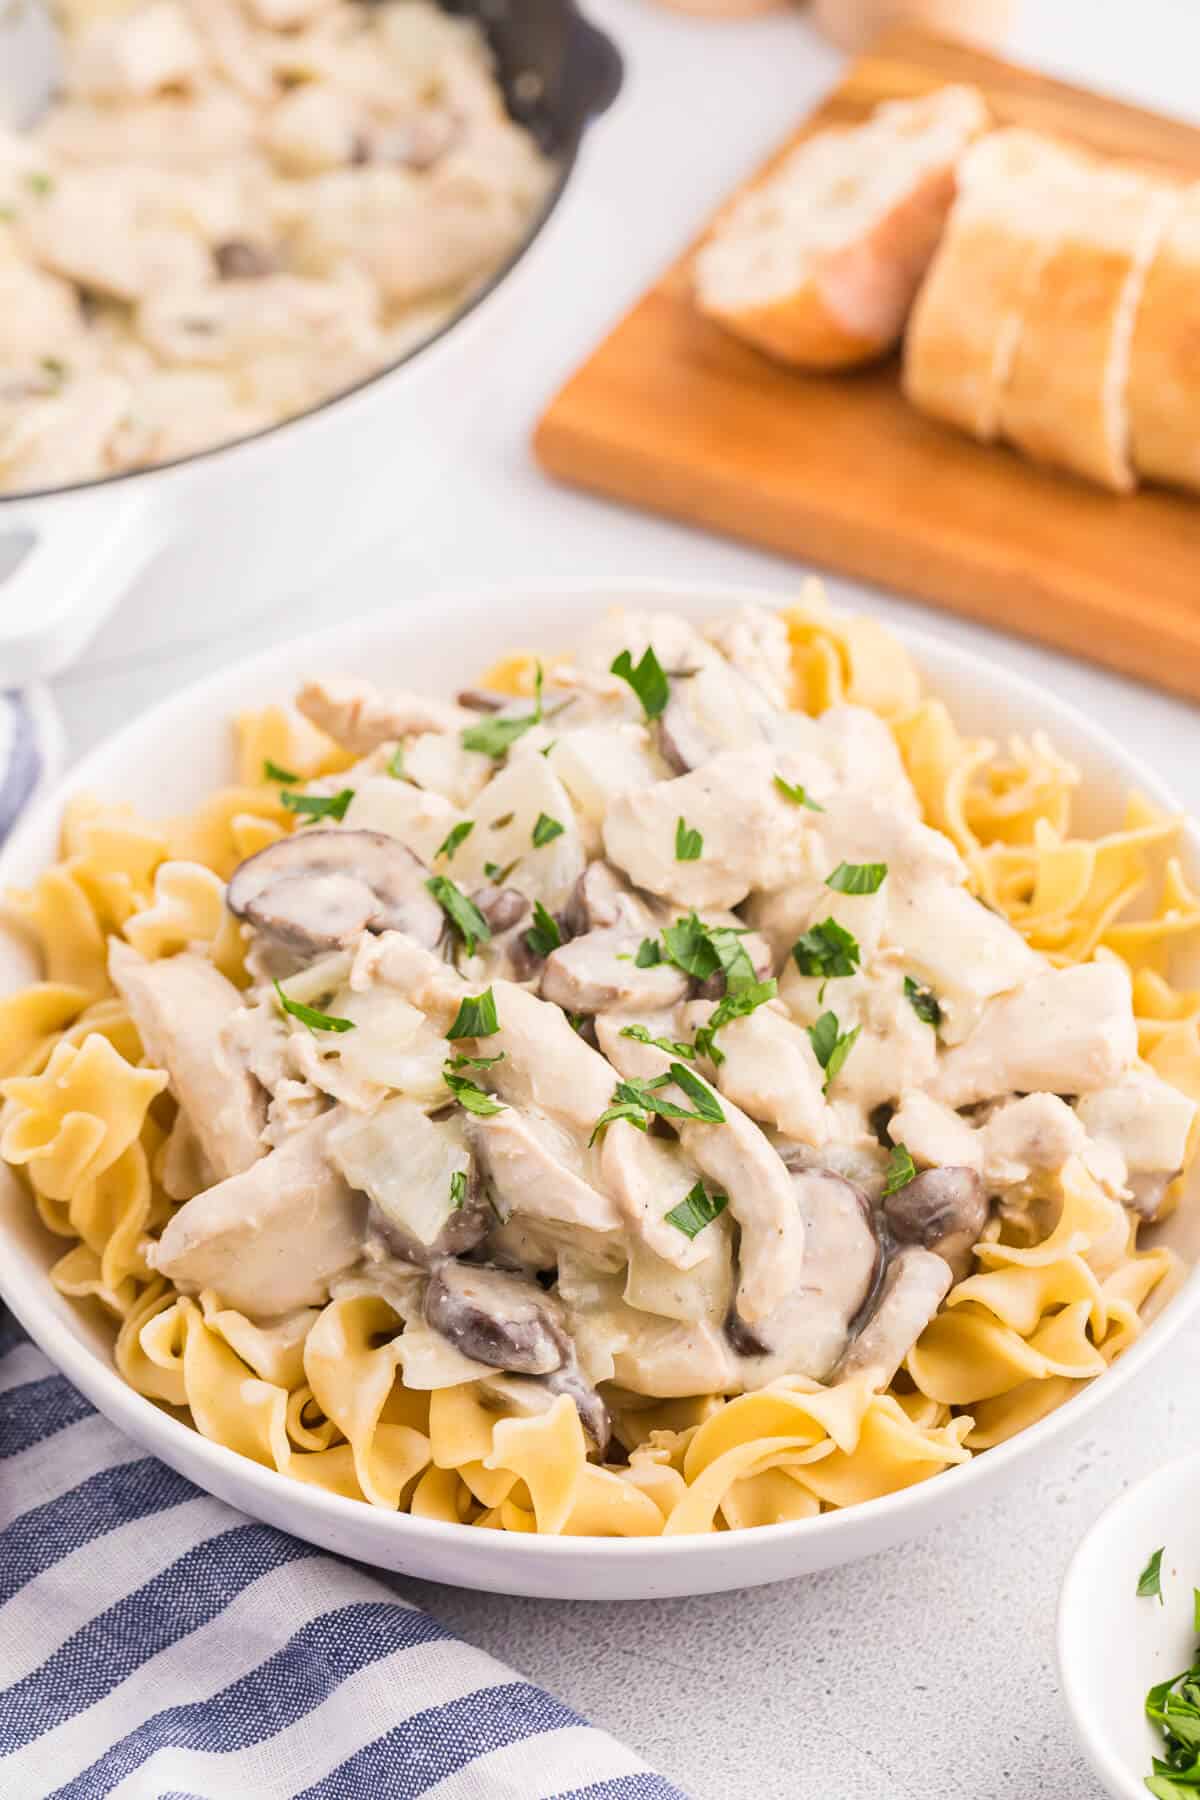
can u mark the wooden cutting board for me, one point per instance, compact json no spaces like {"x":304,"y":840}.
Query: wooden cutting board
{"x":672,"y":414}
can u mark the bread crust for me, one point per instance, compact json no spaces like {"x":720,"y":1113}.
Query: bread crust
{"x":966,"y":321}
{"x":852,"y":305}
{"x":1164,"y":372}
{"x":1066,"y":399}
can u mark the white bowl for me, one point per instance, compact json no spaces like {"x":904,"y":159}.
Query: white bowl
{"x":170,"y":757}
{"x":1114,"y":1645}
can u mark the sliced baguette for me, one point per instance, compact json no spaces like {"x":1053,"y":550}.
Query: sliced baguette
{"x":1065,"y":401}
{"x":1164,"y":369}
{"x":964,"y":327}
{"x":818,"y":264}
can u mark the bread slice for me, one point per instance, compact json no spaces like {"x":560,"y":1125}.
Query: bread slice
{"x":1164,"y":368}
{"x":963,"y":333}
{"x":1065,"y":401}
{"x":818,"y":263}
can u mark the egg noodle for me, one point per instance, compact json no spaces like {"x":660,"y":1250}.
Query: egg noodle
{"x":1058,"y":1285}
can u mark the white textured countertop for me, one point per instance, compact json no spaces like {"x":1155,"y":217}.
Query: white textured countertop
{"x":927,"y":1674}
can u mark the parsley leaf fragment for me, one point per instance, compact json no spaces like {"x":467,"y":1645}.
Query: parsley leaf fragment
{"x":696,"y":1210}
{"x":635,"y":1100}
{"x":1150,"y":1580}
{"x":310,"y":1016}
{"x":736,"y":1005}
{"x":273,"y":772}
{"x":496,"y":736}
{"x":470,"y":1095}
{"x":688,"y":843}
{"x":476,"y":1016}
{"x":831,"y":1045}
{"x":646,"y":678}
{"x":395,"y":765}
{"x":546,"y":830}
{"x":827,"y":950}
{"x":796,"y":794}
{"x":641,"y":1034}
{"x":543,"y":935}
{"x":649,"y":954}
{"x":923,"y":1001}
{"x":462,"y":913}
{"x":901,"y":1169}
{"x":318,"y":806}
{"x":456,"y":835}
{"x":458,"y":1190}
{"x":857,"y":878}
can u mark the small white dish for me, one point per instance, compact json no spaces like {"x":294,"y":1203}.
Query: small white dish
{"x":1114,"y":1644}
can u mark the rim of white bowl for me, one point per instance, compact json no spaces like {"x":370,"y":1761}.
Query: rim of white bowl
{"x":122,"y":1403}
{"x":1071,"y":1603}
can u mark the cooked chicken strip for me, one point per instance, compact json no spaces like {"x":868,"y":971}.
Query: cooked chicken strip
{"x":769,"y":1070}
{"x":182,"y":1006}
{"x":359,"y":718}
{"x":273,"y":1237}
{"x":916,"y":1283}
{"x":1067,"y":1031}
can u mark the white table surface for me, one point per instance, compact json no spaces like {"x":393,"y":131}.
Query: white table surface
{"x":927,"y":1674}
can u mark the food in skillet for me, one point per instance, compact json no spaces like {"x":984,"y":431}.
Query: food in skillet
{"x":236,"y":210}
{"x":700,"y":1090}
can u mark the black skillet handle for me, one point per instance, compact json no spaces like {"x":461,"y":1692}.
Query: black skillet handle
{"x":600,"y":65}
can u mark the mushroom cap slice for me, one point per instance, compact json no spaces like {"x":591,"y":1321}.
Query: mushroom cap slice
{"x":318,"y":890}
{"x":495,"y":1318}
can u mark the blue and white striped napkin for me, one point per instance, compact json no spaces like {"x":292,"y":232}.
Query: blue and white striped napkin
{"x":157,"y":1645}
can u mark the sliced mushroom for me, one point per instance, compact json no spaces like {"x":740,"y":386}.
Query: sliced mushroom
{"x":598,"y":973}
{"x":808,"y":1331}
{"x":593,"y":1414}
{"x":319,"y":890}
{"x":941,"y":1209}
{"x":916,"y":1283}
{"x":496,"y":1318}
{"x":598,"y":899}
{"x":239,"y":260}
{"x":502,"y":907}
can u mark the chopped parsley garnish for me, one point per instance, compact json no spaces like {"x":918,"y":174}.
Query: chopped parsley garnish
{"x":462,"y":913}
{"x":646,"y":678}
{"x":496,"y":737}
{"x":546,"y":830}
{"x":471,"y":1095}
{"x":500,"y":823}
{"x":310,"y":1016}
{"x":473,"y":1062}
{"x":496,"y":874}
{"x":923,"y":1001}
{"x":39,"y":182}
{"x":641,"y":1034}
{"x":688,"y":843}
{"x":796,"y":794}
{"x":456,"y":835}
{"x":1150,"y":1580}
{"x":636,"y":1100}
{"x":273,"y":772}
{"x":831,"y":1045}
{"x":458,"y":1190}
{"x":702,"y":950}
{"x":543,"y":935}
{"x":54,"y":369}
{"x":857,"y":878}
{"x":901,"y":1169}
{"x":826,"y":951}
{"x":696,"y":1210}
{"x":318,"y":806}
{"x":737,"y":1005}
{"x":649,"y":954}
{"x":395,"y":765}
{"x":476,"y":1016}
{"x":1173,"y":1708}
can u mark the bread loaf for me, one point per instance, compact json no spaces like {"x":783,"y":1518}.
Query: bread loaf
{"x":1164,"y":372}
{"x":963,"y":333}
{"x":1066,"y":398}
{"x":818,"y":264}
